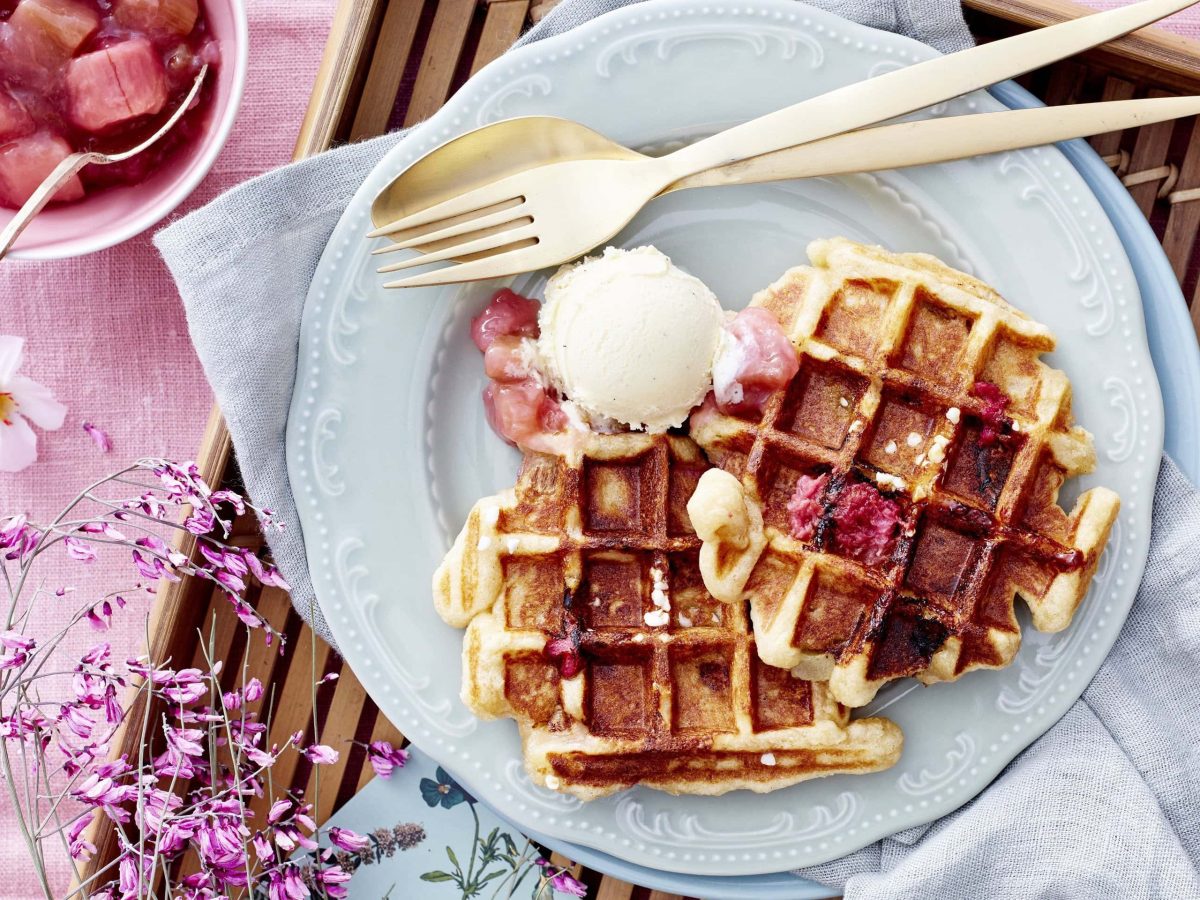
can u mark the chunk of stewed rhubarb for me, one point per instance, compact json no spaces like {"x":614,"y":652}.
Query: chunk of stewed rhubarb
{"x":115,"y":84}
{"x":754,"y":360}
{"x":805,"y":506}
{"x":523,"y":413}
{"x":50,"y":31}
{"x":508,"y":358}
{"x":15,"y":120}
{"x":995,"y":402}
{"x":508,"y":313}
{"x":25,"y":163}
{"x":865,"y":523}
{"x":158,"y":16}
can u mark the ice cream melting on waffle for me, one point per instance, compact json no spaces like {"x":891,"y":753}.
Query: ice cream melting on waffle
{"x":880,"y":509}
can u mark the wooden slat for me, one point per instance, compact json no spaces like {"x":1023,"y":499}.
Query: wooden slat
{"x":341,"y":64}
{"x":388,"y":62}
{"x":447,"y":37}
{"x":501,"y":28}
{"x":1167,"y":59}
{"x":340,"y":722}
{"x":1065,"y":80}
{"x":1149,"y":152}
{"x":659,"y":895}
{"x":612,"y":889}
{"x":1114,"y":89}
{"x":1183,"y":222}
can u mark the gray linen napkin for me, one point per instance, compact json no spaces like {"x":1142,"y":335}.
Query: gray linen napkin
{"x":1107,"y":803}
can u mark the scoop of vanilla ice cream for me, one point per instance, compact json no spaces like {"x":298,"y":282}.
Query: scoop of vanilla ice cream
{"x":628,"y":336}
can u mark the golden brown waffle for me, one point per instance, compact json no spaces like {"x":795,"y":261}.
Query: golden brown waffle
{"x":896,"y":350}
{"x":590,"y":564}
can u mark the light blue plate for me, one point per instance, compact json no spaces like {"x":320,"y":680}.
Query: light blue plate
{"x":1177,"y":362}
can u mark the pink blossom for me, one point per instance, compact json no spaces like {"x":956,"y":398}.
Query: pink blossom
{"x":100,"y":616}
{"x":220,"y":845}
{"x":88,"y":689}
{"x":184,"y":741}
{"x":22,"y":399}
{"x":104,"y":528}
{"x":333,"y":878}
{"x":233,"y":499}
{"x":254,"y":690}
{"x":245,"y":612}
{"x":258,"y":757}
{"x":80,"y":848}
{"x":152,"y":568}
{"x":79,"y":550}
{"x":18,"y":538}
{"x":15,"y":661}
{"x":285,"y":883}
{"x":157,"y":805}
{"x":13,"y":640}
{"x":228,"y":580}
{"x":351,"y":841}
{"x":267,"y":575}
{"x":101,"y":790}
{"x":98,"y":655}
{"x":99,"y":437}
{"x":321,"y":755}
{"x":262,"y":847}
{"x":201,"y":521}
{"x":278,"y":810}
{"x":384,"y":758}
{"x":566,"y":883}
{"x":77,"y":721}
{"x":112,"y":707}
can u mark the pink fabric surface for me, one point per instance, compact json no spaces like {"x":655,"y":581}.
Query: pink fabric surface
{"x":107,"y":334}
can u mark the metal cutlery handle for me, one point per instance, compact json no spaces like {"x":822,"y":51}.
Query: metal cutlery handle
{"x":938,"y":140}
{"x":915,"y":87}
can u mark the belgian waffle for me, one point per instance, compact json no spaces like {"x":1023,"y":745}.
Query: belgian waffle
{"x":588,"y":622}
{"x":900,"y":359}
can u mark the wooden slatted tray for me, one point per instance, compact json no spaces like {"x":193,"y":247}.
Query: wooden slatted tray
{"x":390,"y":63}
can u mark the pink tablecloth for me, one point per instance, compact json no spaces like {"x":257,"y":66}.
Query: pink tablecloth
{"x":107,"y":332}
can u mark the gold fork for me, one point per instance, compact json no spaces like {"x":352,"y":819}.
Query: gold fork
{"x":554,"y":213}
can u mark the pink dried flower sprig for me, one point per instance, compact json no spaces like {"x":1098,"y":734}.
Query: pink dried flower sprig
{"x":211,"y":755}
{"x":385,"y":758}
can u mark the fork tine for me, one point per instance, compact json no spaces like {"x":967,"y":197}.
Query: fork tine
{"x":480,"y":245}
{"x":478,"y":199}
{"x":498,"y":265}
{"x":504,"y":216}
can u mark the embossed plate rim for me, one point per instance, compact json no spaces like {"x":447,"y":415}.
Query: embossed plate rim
{"x":342,"y":618}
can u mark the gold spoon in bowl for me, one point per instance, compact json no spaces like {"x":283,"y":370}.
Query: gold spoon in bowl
{"x":72,"y":164}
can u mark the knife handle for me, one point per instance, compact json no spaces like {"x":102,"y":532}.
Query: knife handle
{"x":938,"y":140}
{"x":905,"y":90}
